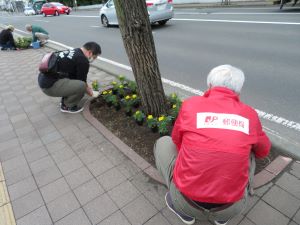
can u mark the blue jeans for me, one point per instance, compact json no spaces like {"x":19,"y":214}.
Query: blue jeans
{"x":7,"y":45}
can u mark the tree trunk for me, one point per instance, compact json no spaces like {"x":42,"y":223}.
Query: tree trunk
{"x":139,"y":44}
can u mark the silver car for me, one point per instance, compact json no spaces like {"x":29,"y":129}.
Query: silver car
{"x":159,"y":11}
{"x":28,"y":11}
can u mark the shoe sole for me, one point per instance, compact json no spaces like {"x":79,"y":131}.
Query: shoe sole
{"x":67,"y":111}
{"x":216,"y":223}
{"x":186,"y":222}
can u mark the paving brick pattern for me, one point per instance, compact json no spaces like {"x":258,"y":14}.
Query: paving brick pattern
{"x":60,"y":170}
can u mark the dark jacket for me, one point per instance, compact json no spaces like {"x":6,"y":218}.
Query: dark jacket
{"x":6,"y":38}
{"x":71,"y":62}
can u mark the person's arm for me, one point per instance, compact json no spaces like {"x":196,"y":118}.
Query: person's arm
{"x":34,"y":38}
{"x":81,"y":73}
{"x":263,"y":145}
{"x":89,"y":90}
{"x":177,"y":129}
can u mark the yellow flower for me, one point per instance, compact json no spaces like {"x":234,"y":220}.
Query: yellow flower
{"x":137,"y":112}
{"x":161,"y":118}
{"x":173,"y":95}
{"x":110,"y":92}
{"x":114,"y":82}
{"x":127,"y":97}
{"x":174,"y":106}
{"x":133,"y":96}
{"x":150,"y":117}
{"x":121,"y":86}
{"x":104,"y":92}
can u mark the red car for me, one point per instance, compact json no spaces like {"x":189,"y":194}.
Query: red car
{"x":55,"y":8}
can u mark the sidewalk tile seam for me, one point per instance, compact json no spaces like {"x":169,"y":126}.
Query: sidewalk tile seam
{"x":274,"y":208}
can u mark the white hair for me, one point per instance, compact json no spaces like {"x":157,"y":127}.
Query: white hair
{"x":28,"y":27}
{"x":226,"y":76}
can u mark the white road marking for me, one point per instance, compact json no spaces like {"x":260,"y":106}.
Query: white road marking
{"x":95,"y":26}
{"x":45,"y":21}
{"x":83,"y":16}
{"x":232,"y":13}
{"x":267,"y":116}
{"x":238,"y":21}
{"x":220,"y":21}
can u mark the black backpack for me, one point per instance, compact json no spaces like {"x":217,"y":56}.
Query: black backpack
{"x":49,"y":65}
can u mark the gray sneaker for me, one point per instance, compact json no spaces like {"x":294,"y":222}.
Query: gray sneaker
{"x":185,"y":218}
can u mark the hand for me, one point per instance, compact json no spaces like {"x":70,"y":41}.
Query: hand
{"x":89,"y":90}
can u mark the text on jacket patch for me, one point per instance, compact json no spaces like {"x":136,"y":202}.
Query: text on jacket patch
{"x":223,"y":121}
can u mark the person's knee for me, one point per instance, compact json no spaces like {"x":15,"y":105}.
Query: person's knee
{"x":82,"y":88}
{"x":161,"y":143}
{"x":164,"y":139}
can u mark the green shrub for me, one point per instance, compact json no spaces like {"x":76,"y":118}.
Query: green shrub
{"x":23,"y":42}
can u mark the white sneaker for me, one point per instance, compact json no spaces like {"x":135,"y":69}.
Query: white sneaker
{"x":221,"y":222}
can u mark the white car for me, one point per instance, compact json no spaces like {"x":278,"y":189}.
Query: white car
{"x":29,"y":11}
{"x":159,"y":11}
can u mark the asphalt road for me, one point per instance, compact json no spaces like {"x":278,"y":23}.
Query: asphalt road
{"x":263,"y":42}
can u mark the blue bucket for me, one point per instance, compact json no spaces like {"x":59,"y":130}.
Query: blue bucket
{"x":36,"y":44}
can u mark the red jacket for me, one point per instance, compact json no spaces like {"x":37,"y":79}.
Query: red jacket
{"x":214,"y":135}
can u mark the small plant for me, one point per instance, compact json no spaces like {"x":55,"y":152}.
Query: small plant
{"x":152,"y":123}
{"x":174,"y":111}
{"x":163,"y":124}
{"x":121,"y":91}
{"x":135,"y":100}
{"x":122,"y":79}
{"x":115,"y":102}
{"x":115,"y":87}
{"x":23,"y":42}
{"x":132,"y":86}
{"x":139,"y":117}
{"x":173,"y":98}
{"x":95,"y":85}
{"x":107,"y":95}
{"x":127,"y":102}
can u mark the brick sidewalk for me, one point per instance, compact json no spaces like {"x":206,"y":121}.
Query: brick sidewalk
{"x":60,"y":170}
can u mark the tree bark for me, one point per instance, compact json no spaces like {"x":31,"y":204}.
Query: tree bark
{"x":137,"y":37}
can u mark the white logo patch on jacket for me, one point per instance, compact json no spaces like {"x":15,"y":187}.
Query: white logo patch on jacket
{"x":223,"y":121}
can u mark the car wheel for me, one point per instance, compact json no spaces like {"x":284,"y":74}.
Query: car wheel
{"x":44,"y":14}
{"x":104,"y":21}
{"x":162,"y":22}
{"x":68,"y":13}
{"x":56,"y":13}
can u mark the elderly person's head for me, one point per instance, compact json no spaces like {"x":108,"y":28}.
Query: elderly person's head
{"x":28,"y":27}
{"x":226,"y":76}
{"x":10,"y":27}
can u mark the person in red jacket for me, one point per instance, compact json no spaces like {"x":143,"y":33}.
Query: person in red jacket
{"x":208,"y":164}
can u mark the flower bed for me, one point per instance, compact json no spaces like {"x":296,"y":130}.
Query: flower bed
{"x":123,"y":94}
{"x":141,"y":138}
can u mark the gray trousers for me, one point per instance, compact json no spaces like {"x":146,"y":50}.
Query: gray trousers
{"x":165,"y":154}
{"x":71,"y":90}
{"x":41,"y":36}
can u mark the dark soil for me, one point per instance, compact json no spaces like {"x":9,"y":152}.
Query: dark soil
{"x":140,"y":138}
